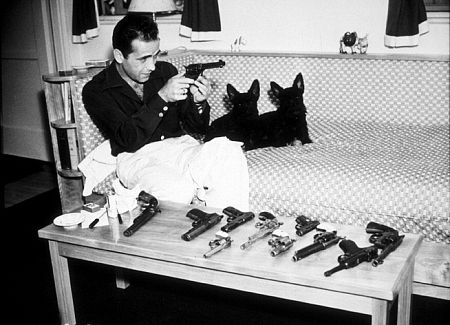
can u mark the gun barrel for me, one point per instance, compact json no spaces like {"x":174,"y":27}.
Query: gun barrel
{"x":212,"y":65}
{"x":335,"y":269}
{"x":247,"y":244}
{"x":226,"y":242}
{"x":141,"y":220}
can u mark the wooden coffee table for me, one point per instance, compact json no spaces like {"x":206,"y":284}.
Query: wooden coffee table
{"x":158,"y":248}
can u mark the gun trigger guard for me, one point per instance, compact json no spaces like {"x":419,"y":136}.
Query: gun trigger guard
{"x":373,"y":238}
{"x":341,"y":257}
{"x":230,"y":218}
{"x":214,"y":243}
{"x":259,"y":224}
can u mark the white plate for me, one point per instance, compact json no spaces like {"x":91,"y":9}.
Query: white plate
{"x":69,"y":220}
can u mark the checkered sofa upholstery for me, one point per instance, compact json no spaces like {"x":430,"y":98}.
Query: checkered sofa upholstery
{"x":380,"y":131}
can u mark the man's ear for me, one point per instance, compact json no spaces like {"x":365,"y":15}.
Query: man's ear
{"x":118,"y":56}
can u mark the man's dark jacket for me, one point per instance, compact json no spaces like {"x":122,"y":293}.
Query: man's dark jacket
{"x":130,"y":123}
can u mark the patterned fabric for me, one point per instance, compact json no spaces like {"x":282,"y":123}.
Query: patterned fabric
{"x":380,"y":131}
{"x":341,"y":89}
{"x":357,"y":172}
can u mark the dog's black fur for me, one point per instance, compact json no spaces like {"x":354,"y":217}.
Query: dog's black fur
{"x":236,"y":124}
{"x":285,"y":125}
{"x":277,"y":128}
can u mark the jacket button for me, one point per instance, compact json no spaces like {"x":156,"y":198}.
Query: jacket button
{"x":162,"y":137}
{"x":165,"y":108}
{"x":161,"y":114}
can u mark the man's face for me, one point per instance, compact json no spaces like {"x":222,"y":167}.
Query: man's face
{"x":141,"y":62}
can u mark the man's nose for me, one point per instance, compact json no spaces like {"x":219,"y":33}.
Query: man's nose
{"x":150,"y":66}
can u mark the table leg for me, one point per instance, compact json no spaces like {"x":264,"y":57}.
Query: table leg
{"x":380,"y":312}
{"x":121,"y":279}
{"x":62,"y":285}
{"x":404,"y":298}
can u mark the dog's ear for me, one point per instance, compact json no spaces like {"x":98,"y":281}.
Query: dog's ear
{"x":298,"y":83}
{"x":254,"y":89}
{"x":276,"y":88}
{"x":231,"y":91}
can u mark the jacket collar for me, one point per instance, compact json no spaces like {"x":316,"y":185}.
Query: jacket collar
{"x":113,"y":78}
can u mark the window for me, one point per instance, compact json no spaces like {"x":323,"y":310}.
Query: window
{"x":120,"y":7}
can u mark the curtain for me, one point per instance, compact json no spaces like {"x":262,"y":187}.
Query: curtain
{"x":200,"y":20}
{"x":84,"y":21}
{"x":406,"y":21}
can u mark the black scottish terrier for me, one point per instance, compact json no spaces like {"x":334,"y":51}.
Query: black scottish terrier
{"x":272,"y":129}
{"x":285,"y":125}
{"x":236,"y":124}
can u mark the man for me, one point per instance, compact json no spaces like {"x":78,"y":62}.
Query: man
{"x":138,"y":101}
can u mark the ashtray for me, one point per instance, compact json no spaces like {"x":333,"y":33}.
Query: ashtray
{"x":69,"y":220}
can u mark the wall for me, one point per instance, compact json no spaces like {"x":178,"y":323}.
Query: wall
{"x":25,"y":56}
{"x":288,"y":26}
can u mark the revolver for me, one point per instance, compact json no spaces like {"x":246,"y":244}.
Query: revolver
{"x":202,"y":222}
{"x":150,"y":207}
{"x":235,"y":218}
{"x":222,"y":241}
{"x":385,"y":238}
{"x":353,"y":255}
{"x":280,"y":242}
{"x":305,"y":225}
{"x":194,"y":70}
{"x":321,"y":241}
{"x":266,"y":226}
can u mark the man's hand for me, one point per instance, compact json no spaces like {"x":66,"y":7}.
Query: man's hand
{"x":201,"y":89}
{"x":176,"y":88}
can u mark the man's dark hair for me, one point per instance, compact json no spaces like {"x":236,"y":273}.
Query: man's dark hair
{"x":131,"y":27}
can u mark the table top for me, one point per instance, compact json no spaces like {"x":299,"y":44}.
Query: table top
{"x":160,"y":239}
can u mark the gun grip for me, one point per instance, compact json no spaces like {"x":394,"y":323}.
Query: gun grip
{"x":232,"y":212}
{"x":348,"y":246}
{"x":373,"y":228}
{"x":196,"y":214}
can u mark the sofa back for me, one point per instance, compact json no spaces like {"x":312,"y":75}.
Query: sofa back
{"x":339,"y":87}
{"x":368,"y":88}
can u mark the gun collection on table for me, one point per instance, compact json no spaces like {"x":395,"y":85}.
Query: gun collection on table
{"x":384,"y":239}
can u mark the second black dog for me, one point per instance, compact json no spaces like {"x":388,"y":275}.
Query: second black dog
{"x":285,"y":125}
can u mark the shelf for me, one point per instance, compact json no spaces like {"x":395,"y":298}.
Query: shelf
{"x":62,"y":124}
{"x":57,"y":77}
{"x":70,"y":173}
